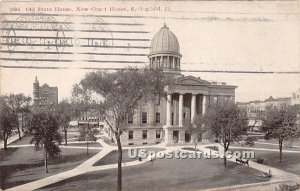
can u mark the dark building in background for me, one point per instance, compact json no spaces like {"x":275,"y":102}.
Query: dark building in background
{"x":44,"y":96}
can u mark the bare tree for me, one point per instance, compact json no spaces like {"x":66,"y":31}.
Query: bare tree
{"x":119,"y":93}
{"x":196,"y":128}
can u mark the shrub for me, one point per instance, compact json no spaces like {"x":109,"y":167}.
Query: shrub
{"x":250,"y":141}
{"x":260,"y":160}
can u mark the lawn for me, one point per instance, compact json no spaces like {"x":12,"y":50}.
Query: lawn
{"x":112,"y":157}
{"x":82,"y":144}
{"x":165,"y":174}
{"x":290,"y":161}
{"x":24,"y":141}
{"x":260,"y":144}
{"x":24,"y":164}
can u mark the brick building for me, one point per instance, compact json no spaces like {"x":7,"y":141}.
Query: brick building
{"x":44,"y":96}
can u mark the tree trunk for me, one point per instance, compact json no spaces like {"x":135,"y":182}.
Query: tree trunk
{"x":280,"y":151}
{"x":66,"y":137}
{"x":87,"y":146}
{"x":46,"y":162}
{"x":225,"y":159}
{"x":119,"y":162}
{"x":5,"y":141}
{"x":195,"y":147}
{"x":19,"y":132}
{"x":87,"y":138}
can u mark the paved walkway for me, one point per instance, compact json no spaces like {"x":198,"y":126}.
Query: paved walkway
{"x":87,"y":166}
{"x":62,"y":146}
{"x":11,"y":139}
{"x":264,"y":149}
{"x":277,"y":174}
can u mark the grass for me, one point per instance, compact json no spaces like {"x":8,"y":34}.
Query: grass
{"x":91,"y":144}
{"x":112,"y":157}
{"x":215,"y":148}
{"x":190,"y":149}
{"x":24,"y":141}
{"x":22,"y":165}
{"x":165,"y":175}
{"x":290,"y":161}
{"x":267,"y":146}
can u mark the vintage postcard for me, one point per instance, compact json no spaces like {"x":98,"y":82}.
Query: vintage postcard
{"x":149,"y":95}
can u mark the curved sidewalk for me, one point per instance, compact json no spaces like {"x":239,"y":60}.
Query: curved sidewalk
{"x":85,"y":167}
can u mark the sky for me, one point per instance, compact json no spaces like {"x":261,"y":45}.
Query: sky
{"x":213,"y":37}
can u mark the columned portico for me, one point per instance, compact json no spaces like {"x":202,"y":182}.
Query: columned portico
{"x":180,"y":110}
{"x":193,"y":107}
{"x":204,"y":104}
{"x":169,"y":100}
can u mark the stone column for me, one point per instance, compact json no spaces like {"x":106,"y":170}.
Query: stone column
{"x":193,"y":107}
{"x":204,"y":104}
{"x":180,"y":110}
{"x":169,"y":99}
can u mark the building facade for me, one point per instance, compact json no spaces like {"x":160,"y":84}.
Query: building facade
{"x":296,"y":97}
{"x":91,"y":117}
{"x":162,"y":120}
{"x":44,"y":96}
{"x":262,"y":105}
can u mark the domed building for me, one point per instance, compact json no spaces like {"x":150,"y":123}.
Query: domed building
{"x":163,"y":120}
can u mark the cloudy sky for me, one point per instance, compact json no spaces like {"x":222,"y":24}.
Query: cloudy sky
{"x":262,"y":38}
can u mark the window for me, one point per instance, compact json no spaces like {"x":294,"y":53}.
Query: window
{"x":157,"y":100}
{"x":172,"y":118}
{"x":187,"y":137}
{"x":183,"y":115}
{"x":130,"y":118}
{"x":144,"y":134}
{"x":215,"y":99}
{"x":157,"y":119}
{"x":158,"y":132}
{"x":130,"y":135}
{"x":144,"y":117}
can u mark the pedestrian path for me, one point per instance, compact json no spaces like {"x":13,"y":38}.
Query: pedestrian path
{"x":87,"y":166}
{"x":11,"y":139}
{"x":262,"y":186}
{"x":276,"y":173}
{"x":264,"y":149}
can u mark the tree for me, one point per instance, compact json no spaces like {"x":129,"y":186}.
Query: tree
{"x":119,"y":93}
{"x":196,"y":128}
{"x":44,"y":128}
{"x":64,"y":111}
{"x":8,"y":120}
{"x":19,"y":104}
{"x":228,"y":123}
{"x":280,"y":124}
{"x":88,"y":133}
